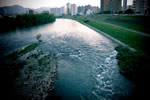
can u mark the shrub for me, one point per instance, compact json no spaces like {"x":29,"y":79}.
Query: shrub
{"x":38,"y":37}
{"x":129,"y":11}
{"x":86,"y":20}
{"x":26,"y":20}
{"x":133,"y":64}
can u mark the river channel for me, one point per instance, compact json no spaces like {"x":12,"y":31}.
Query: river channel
{"x":87,"y":65}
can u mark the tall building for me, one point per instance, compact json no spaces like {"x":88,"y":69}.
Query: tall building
{"x":63,"y":10}
{"x":146,"y":7}
{"x":114,"y":6}
{"x":124,"y":5}
{"x":104,"y":5}
{"x":73,"y":9}
{"x":141,"y":6}
{"x":81,"y":10}
{"x":87,"y":7}
{"x":56,"y":11}
{"x":134,"y":5}
{"x":68,"y":8}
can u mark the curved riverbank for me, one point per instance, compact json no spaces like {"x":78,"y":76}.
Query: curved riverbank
{"x":130,"y":39}
{"x":105,"y":34}
{"x":132,"y":63}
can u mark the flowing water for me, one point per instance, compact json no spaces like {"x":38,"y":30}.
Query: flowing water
{"x":87,"y":67}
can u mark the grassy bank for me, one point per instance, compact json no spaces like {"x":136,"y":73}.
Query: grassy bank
{"x":133,"y":64}
{"x":138,"y":23}
{"x":136,"y":41}
{"x":26,"y":20}
{"x":19,"y":53}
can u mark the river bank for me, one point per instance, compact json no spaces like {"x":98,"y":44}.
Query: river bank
{"x":130,"y":39}
{"x":28,"y":73}
{"x":135,"y":66}
{"x":76,"y":47}
{"x":133,"y":62}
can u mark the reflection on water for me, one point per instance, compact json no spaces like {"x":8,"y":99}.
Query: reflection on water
{"x":87,"y":68}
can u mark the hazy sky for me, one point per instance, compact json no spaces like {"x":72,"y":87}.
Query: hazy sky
{"x":50,"y":3}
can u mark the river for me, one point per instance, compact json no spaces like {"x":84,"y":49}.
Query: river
{"x":87,"y":65}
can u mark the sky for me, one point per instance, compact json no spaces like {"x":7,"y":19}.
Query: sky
{"x":50,"y":3}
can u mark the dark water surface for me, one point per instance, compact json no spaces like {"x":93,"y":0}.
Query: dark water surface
{"x":87,"y":67}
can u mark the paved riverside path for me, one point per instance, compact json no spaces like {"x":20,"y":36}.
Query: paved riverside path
{"x":131,"y":30}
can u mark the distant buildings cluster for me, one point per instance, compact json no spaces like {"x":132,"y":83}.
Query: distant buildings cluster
{"x":106,"y":7}
{"x":87,"y":10}
{"x":114,"y":6}
{"x":69,"y":9}
{"x":73,"y":9}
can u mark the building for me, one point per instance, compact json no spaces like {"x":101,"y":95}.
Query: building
{"x":87,"y":10}
{"x":94,"y":9}
{"x":87,"y":7}
{"x":130,"y":7}
{"x":63,"y":10}
{"x":45,"y":11}
{"x":104,"y":5}
{"x":124,"y":5}
{"x":73,"y":9}
{"x":68,"y":8}
{"x":114,"y":6}
{"x":31,"y":11}
{"x":141,"y":6}
{"x":56,"y":11}
{"x":146,"y":7}
{"x":81,"y":10}
{"x":134,"y":5}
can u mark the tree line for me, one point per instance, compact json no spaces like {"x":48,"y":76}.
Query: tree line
{"x":26,"y":20}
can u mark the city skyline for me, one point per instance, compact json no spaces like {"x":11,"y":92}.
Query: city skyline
{"x":50,"y":3}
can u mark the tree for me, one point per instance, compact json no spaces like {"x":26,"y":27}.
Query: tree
{"x":120,"y":12}
{"x":129,"y":11}
{"x":26,"y":20}
{"x":107,"y":12}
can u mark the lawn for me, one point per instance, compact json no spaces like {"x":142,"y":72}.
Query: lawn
{"x":138,"y":23}
{"x":136,"y":41}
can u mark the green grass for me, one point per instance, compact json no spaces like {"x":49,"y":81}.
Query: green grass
{"x":19,"y":53}
{"x":132,"y":39}
{"x":122,"y":35}
{"x":136,"y":41}
{"x":127,"y":25}
{"x":128,"y":21}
